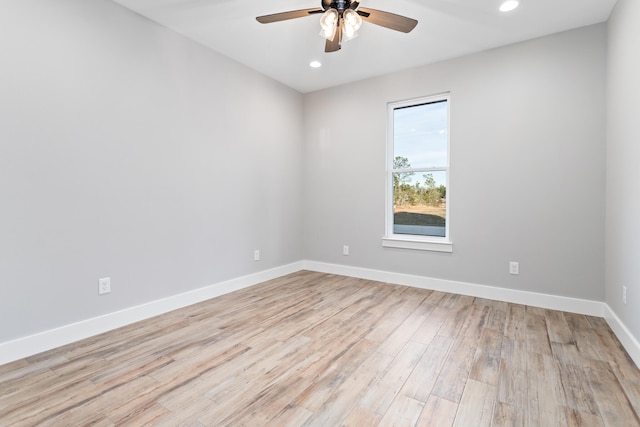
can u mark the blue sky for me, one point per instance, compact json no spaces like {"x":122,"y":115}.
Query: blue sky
{"x":420,"y":135}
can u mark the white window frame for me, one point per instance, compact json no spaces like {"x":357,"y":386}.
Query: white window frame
{"x":413,"y":241}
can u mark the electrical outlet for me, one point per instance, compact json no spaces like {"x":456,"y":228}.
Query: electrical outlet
{"x":345,"y":250}
{"x":514,"y":268}
{"x":624,"y":294}
{"x":104,"y":286}
{"x":256,"y":255}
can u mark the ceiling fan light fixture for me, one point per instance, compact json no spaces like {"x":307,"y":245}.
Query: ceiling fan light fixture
{"x":352,"y":20}
{"x":329,"y":34}
{"x":329,"y":24}
{"x":351,"y":23}
{"x":509,"y":5}
{"x":348,"y":33}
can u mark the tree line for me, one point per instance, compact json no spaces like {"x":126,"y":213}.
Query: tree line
{"x":421,"y":192}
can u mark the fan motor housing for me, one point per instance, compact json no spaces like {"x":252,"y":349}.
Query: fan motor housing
{"x":339,"y":5}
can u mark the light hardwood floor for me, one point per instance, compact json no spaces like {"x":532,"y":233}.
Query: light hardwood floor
{"x":324,"y":350}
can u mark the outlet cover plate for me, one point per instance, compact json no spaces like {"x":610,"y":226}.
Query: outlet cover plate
{"x":104,"y":286}
{"x":514,"y":268}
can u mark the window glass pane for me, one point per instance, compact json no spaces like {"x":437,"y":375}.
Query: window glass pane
{"x":420,"y":135}
{"x":419,"y":203}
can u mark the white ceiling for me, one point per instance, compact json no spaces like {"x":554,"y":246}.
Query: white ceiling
{"x":283,"y":50}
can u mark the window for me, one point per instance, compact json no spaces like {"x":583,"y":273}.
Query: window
{"x":418,"y":175}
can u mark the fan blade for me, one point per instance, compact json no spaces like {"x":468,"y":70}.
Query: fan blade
{"x":276,"y":17}
{"x":388,"y":19}
{"x":335,"y":44}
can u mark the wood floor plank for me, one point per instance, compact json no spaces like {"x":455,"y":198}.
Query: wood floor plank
{"x":506,"y":415}
{"x":546,"y":394}
{"x":557,"y":328}
{"x":290,"y":416}
{"x":513,"y":381}
{"x":455,"y":371}
{"x":149,"y":415}
{"x":241,"y":390}
{"x":535,"y":311}
{"x":325,"y":351}
{"x":437,"y":412}
{"x":455,"y":320}
{"x":184,"y":408}
{"x":40,"y":407}
{"x":269,"y":403}
{"x":476,"y":405}
{"x":12,"y":369}
{"x":435,"y":298}
{"x":515,"y":326}
{"x":576,"y":322}
{"x":574,"y":379}
{"x":340,"y":402}
{"x":625,"y":372}
{"x":498,"y":317}
{"x":423,"y":377}
{"x":589,"y":345}
{"x":614,"y":406}
{"x":114,"y":376}
{"x":381,"y":393}
{"x":498,"y":313}
{"x":360,"y":416}
{"x":320,"y":349}
{"x":397,"y":340}
{"x":476,"y":320}
{"x":17,"y":376}
{"x":197,"y":365}
{"x":340,"y":369}
{"x":486,"y":362}
{"x":97,"y":406}
{"x":537,"y":335}
{"x":22,"y":392}
{"x":580,"y":419}
{"x":138,"y":401}
{"x":597,"y":322}
{"x":431,"y":325}
{"x":394,"y":318}
{"x":403,"y":411}
{"x":611,"y":345}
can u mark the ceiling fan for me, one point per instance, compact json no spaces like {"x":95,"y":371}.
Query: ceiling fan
{"x":341,"y":20}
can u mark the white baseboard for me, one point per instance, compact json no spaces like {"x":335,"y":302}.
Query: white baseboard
{"x":47,"y":340}
{"x":626,"y":338}
{"x":37,"y":343}
{"x":552,"y":302}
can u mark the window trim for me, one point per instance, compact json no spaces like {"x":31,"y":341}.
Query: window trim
{"x":412,"y":241}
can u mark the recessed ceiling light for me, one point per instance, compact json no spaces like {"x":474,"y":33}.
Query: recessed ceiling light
{"x":509,"y":5}
{"x":315,"y":64}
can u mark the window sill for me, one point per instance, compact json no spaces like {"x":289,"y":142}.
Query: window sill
{"x":416,"y":244}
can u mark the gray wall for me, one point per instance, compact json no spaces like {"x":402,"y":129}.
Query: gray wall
{"x":527,"y":167}
{"x":623,"y":164}
{"x":130,"y":152}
